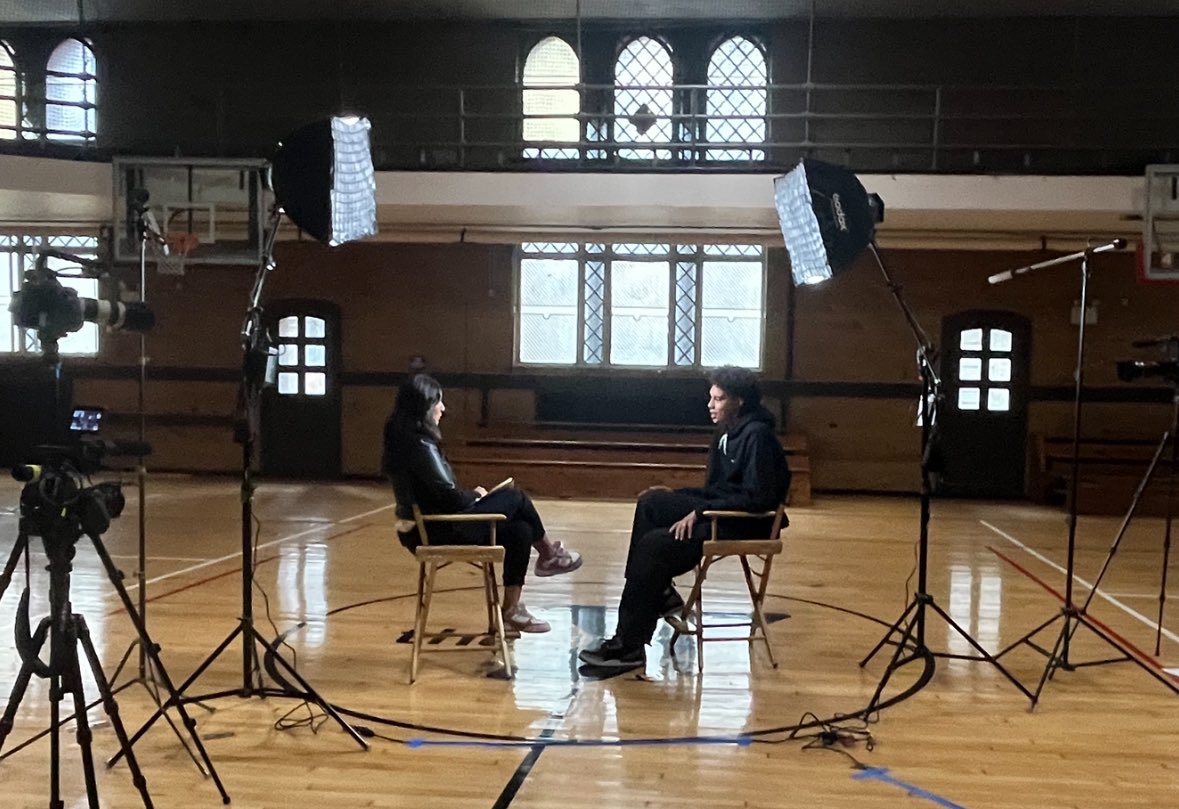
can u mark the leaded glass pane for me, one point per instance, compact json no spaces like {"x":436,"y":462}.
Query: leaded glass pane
{"x":736,"y":104}
{"x":551,"y":64}
{"x":9,"y":111}
{"x":751,"y":250}
{"x":731,"y":314}
{"x":643,"y":98}
{"x":70,"y":90}
{"x":685,"y":313}
{"x":562,"y":248}
{"x":640,"y":249}
{"x":594,"y":311}
{"x":548,"y":310}
{"x":639,"y":312}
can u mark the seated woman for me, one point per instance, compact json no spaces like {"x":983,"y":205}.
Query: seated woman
{"x":747,"y":471}
{"x":421,"y":475}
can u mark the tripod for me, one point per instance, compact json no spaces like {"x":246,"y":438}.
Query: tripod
{"x":910,"y":626}
{"x":1070,"y":616}
{"x":1169,"y":436}
{"x":60,"y":526}
{"x":255,"y":358}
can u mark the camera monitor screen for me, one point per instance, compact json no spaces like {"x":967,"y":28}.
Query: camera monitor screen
{"x":86,"y":420}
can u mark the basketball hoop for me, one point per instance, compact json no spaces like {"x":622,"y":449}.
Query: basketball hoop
{"x":177,"y":246}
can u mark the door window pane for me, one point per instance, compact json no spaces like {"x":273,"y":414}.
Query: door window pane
{"x":999,"y":370}
{"x":968,"y":398}
{"x":288,"y":327}
{"x":288,"y":354}
{"x":1000,"y":340}
{"x":316,"y":356}
{"x":971,"y":340}
{"x":970,"y":369}
{"x":313,"y":327}
{"x":288,"y":383}
{"x":999,"y":399}
{"x":314,"y":383}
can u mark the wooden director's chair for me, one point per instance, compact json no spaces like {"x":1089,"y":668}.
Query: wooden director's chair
{"x":756,"y":580}
{"x":431,"y":559}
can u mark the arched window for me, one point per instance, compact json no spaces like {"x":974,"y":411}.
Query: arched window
{"x":552,"y":64}
{"x":70,"y":89}
{"x":643,"y":98}
{"x":10,"y":94}
{"x":736,"y":104}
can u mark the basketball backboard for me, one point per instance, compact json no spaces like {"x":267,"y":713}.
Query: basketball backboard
{"x":1160,"y":224}
{"x":219,"y":201}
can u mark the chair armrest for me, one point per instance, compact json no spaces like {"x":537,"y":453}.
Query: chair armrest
{"x":464,"y":517}
{"x":761,"y":515}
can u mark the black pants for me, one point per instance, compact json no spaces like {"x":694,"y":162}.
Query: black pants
{"x":517,"y":534}
{"x":656,"y":557}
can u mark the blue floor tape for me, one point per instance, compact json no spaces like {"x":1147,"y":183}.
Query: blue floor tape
{"x":881,"y":774}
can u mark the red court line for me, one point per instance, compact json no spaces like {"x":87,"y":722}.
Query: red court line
{"x":1143,"y":657}
{"x":231,"y":571}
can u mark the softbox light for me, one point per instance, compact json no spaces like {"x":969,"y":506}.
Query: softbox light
{"x":827,"y":218}
{"x":323,"y":180}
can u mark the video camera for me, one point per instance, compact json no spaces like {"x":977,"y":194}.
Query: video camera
{"x":55,"y":310}
{"x":55,"y":501}
{"x":1166,"y":369}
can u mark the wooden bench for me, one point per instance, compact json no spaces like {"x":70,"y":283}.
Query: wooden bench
{"x":1109,"y":473}
{"x":603,"y":464}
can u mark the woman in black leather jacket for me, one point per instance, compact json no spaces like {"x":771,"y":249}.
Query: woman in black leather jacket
{"x":421,"y":475}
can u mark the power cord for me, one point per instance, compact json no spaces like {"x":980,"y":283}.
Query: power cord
{"x":836,"y":736}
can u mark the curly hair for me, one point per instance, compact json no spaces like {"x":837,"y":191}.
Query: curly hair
{"x":740,"y":383}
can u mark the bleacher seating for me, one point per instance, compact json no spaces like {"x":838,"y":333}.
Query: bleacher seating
{"x":1109,"y":472}
{"x":605,"y":462}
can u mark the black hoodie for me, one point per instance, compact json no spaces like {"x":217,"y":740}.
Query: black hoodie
{"x":747,"y":468}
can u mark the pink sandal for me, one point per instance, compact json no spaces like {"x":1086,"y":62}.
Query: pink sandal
{"x":560,"y":560}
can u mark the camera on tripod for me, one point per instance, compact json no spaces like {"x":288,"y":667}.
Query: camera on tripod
{"x":54,"y":310}
{"x":1166,"y":369}
{"x":56,"y":499}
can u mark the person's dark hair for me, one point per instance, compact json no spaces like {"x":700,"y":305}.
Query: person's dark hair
{"x":739,"y":382}
{"x":415,"y":398}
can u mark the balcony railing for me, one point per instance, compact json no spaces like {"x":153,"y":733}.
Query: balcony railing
{"x":990,"y":129}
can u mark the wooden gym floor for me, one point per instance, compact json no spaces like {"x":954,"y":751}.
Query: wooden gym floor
{"x":340,"y":589}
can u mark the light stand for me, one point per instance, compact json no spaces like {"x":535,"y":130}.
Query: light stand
{"x":1070,"y":616}
{"x":910,"y":626}
{"x":827,"y":220}
{"x":255,"y":354}
{"x":323,"y":180}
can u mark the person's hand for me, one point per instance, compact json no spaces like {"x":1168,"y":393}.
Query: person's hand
{"x":651,"y":489}
{"x":480,"y":491}
{"x":683,"y":529}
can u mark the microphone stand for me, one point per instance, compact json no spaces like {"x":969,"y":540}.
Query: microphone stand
{"x":911,"y":624}
{"x":1071,"y":616}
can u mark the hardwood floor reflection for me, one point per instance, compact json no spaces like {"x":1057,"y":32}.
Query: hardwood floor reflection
{"x":333,"y":581}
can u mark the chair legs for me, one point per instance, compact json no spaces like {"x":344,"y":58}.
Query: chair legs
{"x":427,"y":572}
{"x":756,"y":584}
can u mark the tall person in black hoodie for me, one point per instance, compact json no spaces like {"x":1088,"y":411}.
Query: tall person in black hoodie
{"x":746,"y":472}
